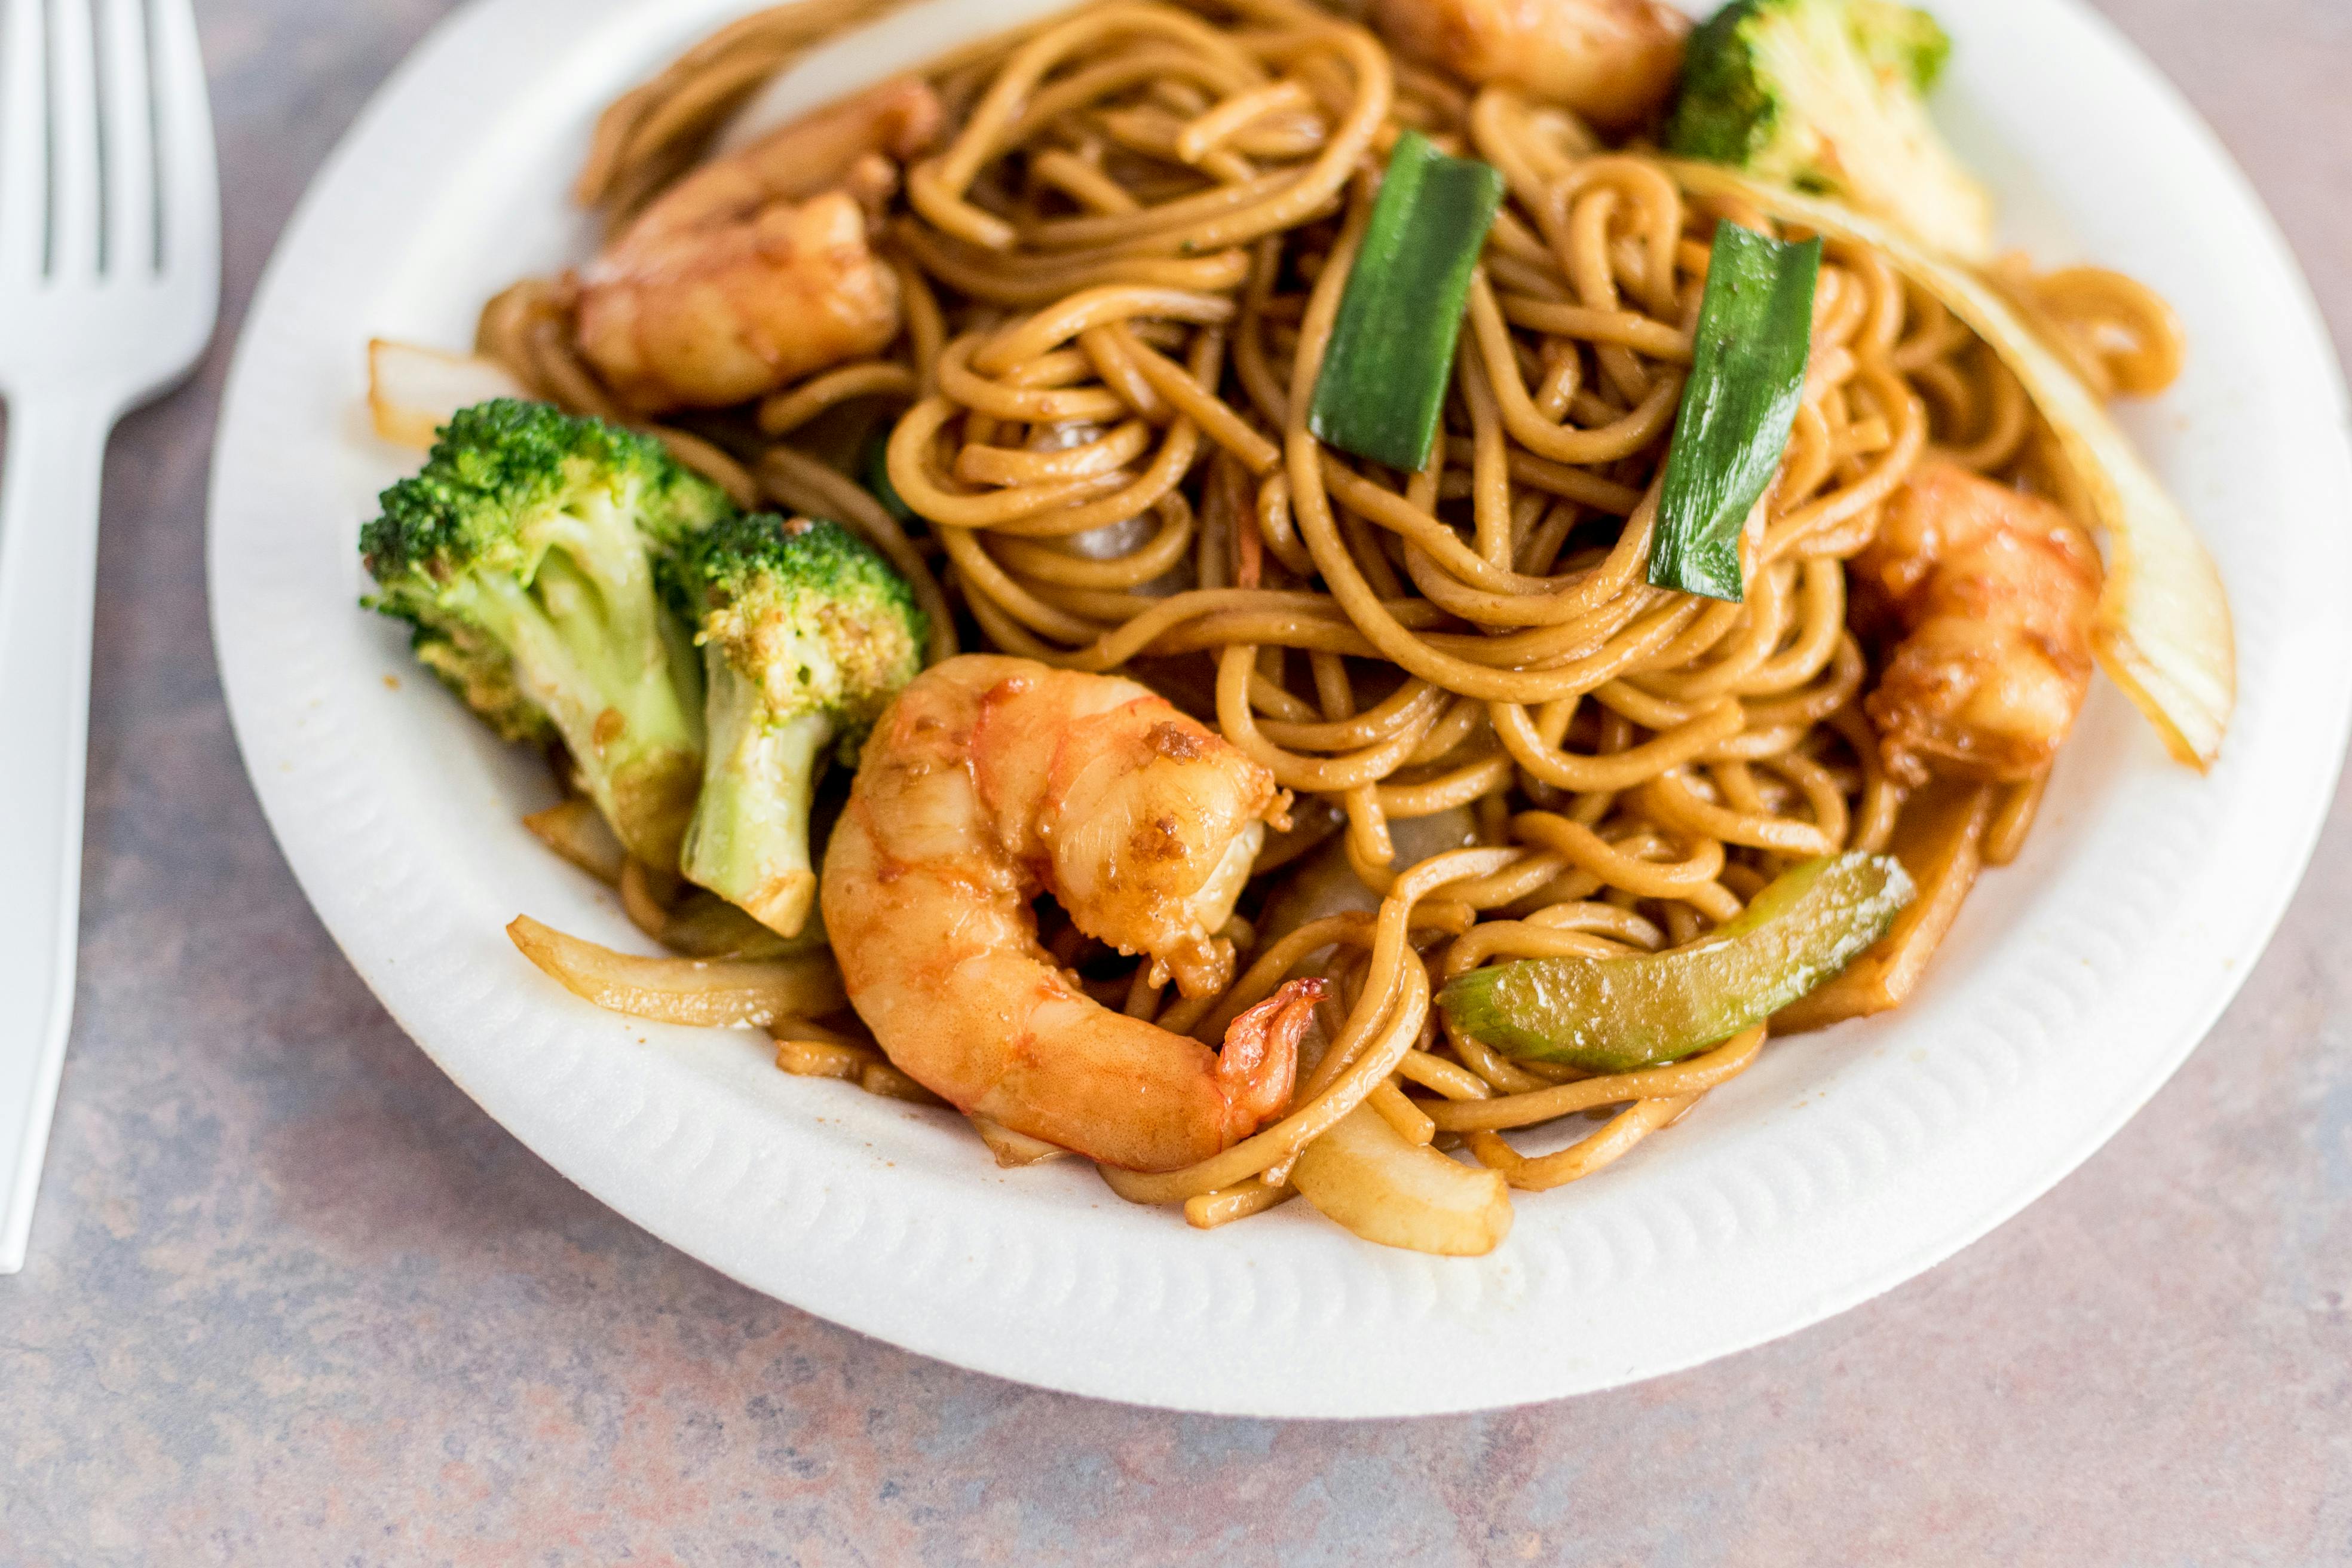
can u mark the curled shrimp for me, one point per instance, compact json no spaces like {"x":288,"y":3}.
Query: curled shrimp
{"x":1993,"y":591}
{"x":992,"y":780}
{"x":1613,"y":62}
{"x":757,"y":269}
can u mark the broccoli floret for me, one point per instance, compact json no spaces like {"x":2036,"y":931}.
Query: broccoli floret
{"x":807,"y":634}
{"x":1830,"y":96}
{"x":523,"y":557}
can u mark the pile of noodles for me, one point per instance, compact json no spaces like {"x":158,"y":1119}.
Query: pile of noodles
{"x":1121,"y":274}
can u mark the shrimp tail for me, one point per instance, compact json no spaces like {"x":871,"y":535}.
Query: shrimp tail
{"x":1259,"y":1064}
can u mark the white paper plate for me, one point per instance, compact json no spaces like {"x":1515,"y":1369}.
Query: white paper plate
{"x":1842,"y":1165}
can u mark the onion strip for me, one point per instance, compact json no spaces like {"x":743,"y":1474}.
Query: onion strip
{"x":709,"y":994}
{"x":2163,"y":631}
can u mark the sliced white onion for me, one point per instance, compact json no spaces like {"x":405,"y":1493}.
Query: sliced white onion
{"x":708,"y":994}
{"x":1014,"y":1150}
{"x":868,"y":53}
{"x":1364,"y":1174}
{"x":2163,"y":632}
{"x":413,"y":391}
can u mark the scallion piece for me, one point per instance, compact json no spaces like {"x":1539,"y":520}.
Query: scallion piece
{"x":1391,"y":354}
{"x":1748,"y":375}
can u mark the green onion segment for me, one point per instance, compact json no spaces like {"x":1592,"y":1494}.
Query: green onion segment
{"x":1382,"y":388}
{"x":1748,"y":376}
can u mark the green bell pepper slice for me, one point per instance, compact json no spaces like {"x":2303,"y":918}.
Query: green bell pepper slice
{"x":1620,"y":1015}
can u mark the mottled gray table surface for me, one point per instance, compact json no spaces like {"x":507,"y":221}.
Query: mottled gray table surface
{"x":294,"y":1299}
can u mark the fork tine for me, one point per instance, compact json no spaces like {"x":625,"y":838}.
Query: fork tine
{"x":130,"y":108}
{"x":184,"y":135}
{"x":74,"y":190}
{"x":23,"y":140}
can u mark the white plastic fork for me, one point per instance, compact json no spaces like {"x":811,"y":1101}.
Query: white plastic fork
{"x":109,"y":283}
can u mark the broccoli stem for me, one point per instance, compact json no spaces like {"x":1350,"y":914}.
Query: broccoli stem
{"x":749,"y":842}
{"x":634,"y":734}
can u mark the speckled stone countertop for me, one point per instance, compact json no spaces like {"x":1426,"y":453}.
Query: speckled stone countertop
{"x":294,"y":1299}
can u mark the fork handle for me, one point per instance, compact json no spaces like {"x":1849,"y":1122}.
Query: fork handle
{"x":48,"y":570}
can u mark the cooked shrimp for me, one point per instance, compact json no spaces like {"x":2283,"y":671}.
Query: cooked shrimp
{"x":755,"y":270}
{"x":1613,"y":62}
{"x":992,"y":779}
{"x":1994,"y":591}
